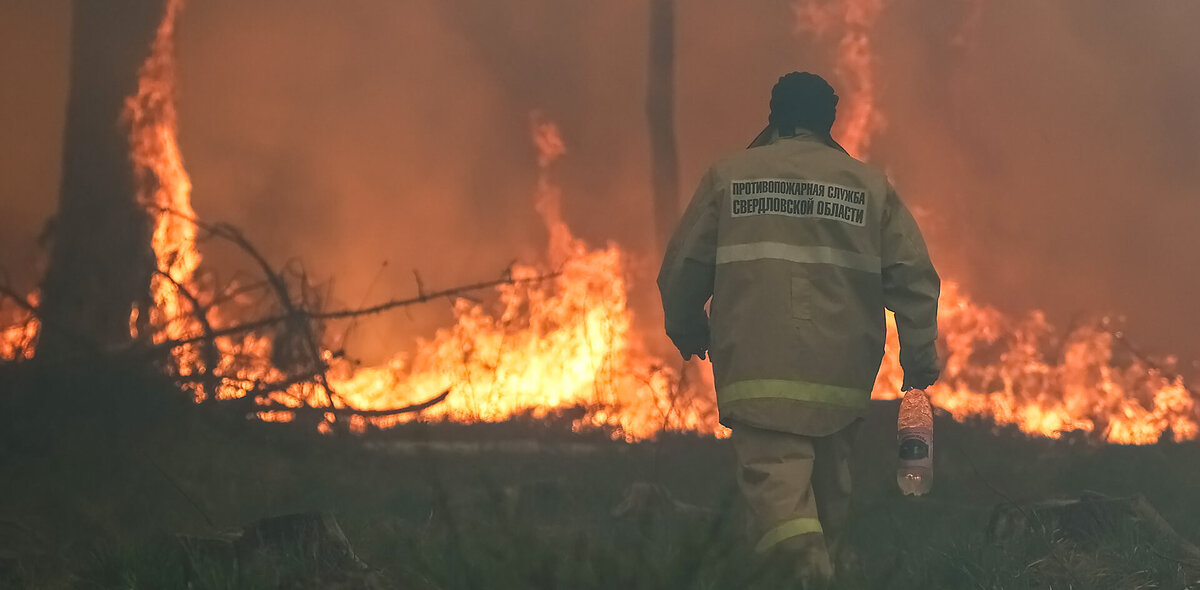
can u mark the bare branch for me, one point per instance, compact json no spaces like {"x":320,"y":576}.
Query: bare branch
{"x":352,"y":313}
{"x":1146,"y":360}
{"x":350,"y":411}
{"x":295,"y":314}
{"x":211,"y":354}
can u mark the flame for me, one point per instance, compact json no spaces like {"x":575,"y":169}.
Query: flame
{"x":570,"y":344}
{"x":857,"y":119}
{"x":1022,"y":372}
{"x":163,"y":184}
{"x":18,"y":329}
{"x":996,"y":367}
{"x":567,"y":345}
{"x":165,"y":188}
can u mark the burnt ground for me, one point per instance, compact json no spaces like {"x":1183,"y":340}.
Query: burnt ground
{"x":104,"y":497}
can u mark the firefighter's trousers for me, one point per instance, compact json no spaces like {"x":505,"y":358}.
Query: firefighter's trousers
{"x":797,"y":489}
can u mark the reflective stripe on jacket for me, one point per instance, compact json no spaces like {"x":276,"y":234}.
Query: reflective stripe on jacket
{"x":800,"y":247}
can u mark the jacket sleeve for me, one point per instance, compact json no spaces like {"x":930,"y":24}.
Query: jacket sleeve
{"x":685,"y":280}
{"x":910,"y":289}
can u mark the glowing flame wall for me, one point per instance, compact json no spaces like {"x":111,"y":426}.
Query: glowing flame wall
{"x":548,"y":347}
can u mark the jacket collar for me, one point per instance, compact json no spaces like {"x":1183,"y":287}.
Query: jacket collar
{"x":769,"y":136}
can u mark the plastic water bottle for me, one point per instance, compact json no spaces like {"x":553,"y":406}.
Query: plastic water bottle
{"x":914,"y":431}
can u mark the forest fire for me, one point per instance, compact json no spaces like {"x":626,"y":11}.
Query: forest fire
{"x":549,"y":347}
{"x":570,"y":342}
{"x":164,"y":188}
{"x":163,"y":184}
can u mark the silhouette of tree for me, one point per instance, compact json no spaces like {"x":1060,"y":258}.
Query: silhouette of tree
{"x":101,"y":259}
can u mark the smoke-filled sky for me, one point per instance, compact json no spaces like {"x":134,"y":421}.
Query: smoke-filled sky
{"x":1050,"y":148}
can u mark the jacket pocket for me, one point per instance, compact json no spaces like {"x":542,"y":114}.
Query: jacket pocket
{"x":801,"y":298}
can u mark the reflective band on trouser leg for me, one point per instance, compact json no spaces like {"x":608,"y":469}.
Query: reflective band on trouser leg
{"x":817,"y":393}
{"x":787,"y":530}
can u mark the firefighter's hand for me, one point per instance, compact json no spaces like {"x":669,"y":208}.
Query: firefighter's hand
{"x":920,"y":379}
{"x":691,"y":343}
{"x":921,"y":366}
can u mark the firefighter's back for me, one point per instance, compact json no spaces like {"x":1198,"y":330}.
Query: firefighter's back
{"x":797,"y":308}
{"x":800,"y":248}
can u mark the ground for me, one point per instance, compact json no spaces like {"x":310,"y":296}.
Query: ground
{"x":528,"y":504}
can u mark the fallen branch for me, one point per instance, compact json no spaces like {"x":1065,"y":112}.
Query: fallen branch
{"x":299,"y":320}
{"x":293,"y":316}
{"x":296,"y":357}
{"x":350,"y":411}
{"x":211,"y":355}
{"x":347,"y":313}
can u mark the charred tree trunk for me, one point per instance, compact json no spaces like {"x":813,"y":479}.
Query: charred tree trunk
{"x":660,"y":116}
{"x":101,"y":259}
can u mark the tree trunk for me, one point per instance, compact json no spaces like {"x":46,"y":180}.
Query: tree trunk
{"x":101,"y":259}
{"x":660,"y":116}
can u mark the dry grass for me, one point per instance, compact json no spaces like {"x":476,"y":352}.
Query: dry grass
{"x":92,"y":507}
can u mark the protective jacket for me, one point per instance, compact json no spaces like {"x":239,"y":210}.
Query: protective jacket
{"x":800,"y":247}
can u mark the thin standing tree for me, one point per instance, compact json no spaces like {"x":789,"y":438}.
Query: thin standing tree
{"x":660,"y":116}
{"x":101,"y":260}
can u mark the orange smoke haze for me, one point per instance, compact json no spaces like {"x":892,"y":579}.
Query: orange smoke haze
{"x":852,"y":22}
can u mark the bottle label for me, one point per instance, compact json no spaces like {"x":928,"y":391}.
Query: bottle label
{"x":913,"y":449}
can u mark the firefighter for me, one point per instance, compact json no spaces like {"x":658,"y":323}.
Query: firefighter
{"x":800,"y":247}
